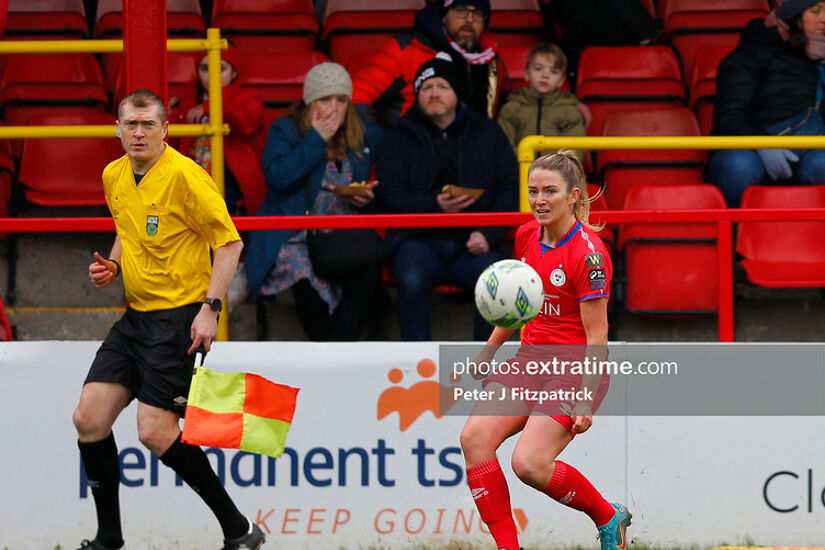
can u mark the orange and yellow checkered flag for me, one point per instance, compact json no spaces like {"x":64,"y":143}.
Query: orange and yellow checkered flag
{"x":238,"y":410}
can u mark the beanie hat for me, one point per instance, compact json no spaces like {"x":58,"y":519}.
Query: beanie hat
{"x":326,"y":79}
{"x":483,"y":5}
{"x":789,"y":9}
{"x":440,"y":66}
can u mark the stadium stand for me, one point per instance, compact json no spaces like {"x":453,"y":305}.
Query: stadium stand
{"x":691,"y":24}
{"x":352,"y":26}
{"x":622,"y":169}
{"x":627,"y":77}
{"x":783,"y":254}
{"x":283,"y":26}
{"x":50,"y":83}
{"x":46,"y":20}
{"x":670,"y":268}
{"x":702,"y":89}
{"x":516,"y":22}
{"x":181,"y":69}
{"x":63,"y":181}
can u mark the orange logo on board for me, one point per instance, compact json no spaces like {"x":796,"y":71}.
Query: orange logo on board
{"x":410,"y":403}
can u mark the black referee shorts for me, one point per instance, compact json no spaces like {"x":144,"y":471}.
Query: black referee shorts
{"x":146,"y":352}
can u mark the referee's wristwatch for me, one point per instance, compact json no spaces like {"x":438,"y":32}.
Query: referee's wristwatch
{"x":214,"y":303}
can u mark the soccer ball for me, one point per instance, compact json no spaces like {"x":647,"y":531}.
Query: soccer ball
{"x":509,"y":293}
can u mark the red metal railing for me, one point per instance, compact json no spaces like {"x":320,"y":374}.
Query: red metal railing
{"x":724,"y":220}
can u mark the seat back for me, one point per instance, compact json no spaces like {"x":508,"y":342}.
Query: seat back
{"x":516,"y":22}
{"x":703,"y":84}
{"x":793,"y":241}
{"x":671,"y":268}
{"x":352,"y":26}
{"x":46,"y":20}
{"x":66,"y":172}
{"x":622,"y":169}
{"x":283,"y":26}
{"x":627,"y":77}
{"x":692,"y":24}
{"x":278,"y":78}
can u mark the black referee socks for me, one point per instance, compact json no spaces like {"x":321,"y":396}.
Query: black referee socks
{"x":103,"y":472}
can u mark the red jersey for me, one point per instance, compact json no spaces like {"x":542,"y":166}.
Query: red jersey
{"x":578,"y":268}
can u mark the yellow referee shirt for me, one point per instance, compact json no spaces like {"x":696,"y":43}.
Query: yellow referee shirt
{"x":166,"y":226}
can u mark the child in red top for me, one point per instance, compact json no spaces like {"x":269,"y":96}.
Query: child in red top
{"x":575,"y":270}
{"x":243,"y":112}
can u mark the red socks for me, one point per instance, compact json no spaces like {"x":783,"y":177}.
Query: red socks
{"x":492,"y":498}
{"x":572,"y":489}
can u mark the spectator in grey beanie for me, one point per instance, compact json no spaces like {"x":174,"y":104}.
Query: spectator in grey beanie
{"x":773,"y":83}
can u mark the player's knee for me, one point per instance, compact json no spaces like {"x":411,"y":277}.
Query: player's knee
{"x":87,"y":426}
{"x":530,"y":469}
{"x":475,"y":445}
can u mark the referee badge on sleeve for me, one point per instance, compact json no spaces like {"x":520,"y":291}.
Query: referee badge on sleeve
{"x":151,"y":225}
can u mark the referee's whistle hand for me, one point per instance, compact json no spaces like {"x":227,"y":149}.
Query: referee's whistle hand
{"x":102,"y":271}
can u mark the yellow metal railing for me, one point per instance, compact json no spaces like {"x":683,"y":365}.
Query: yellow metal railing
{"x":528,"y":147}
{"x":212,"y":44}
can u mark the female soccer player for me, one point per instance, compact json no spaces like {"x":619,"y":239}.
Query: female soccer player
{"x":575,"y":270}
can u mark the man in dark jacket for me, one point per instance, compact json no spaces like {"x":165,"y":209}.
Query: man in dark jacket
{"x":457,"y":27}
{"x":441,"y":142}
{"x":771,"y":84}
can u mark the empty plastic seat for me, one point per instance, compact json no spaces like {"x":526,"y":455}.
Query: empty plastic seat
{"x":278,"y":78}
{"x":282,"y":26}
{"x":66,"y":172}
{"x":351,"y":26}
{"x":50,"y":79}
{"x":514,"y":59}
{"x":671,"y":268}
{"x":599,"y":204}
{"x":516,"y":22}
{"x":691,"y":24}
{"x":183,"y":19}
{"x":783,"y":254}
{"x":628,"y":77}
{"x":181,"y":69}
{"x":702,"y":90}
{"x":46,"y":20}
{"x":622,"y":169}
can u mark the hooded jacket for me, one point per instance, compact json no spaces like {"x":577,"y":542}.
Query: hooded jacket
{"x":762,"y":82}
{"x":527,"y":113}
{"x":386,"y":82}
{"x":405,"y":169}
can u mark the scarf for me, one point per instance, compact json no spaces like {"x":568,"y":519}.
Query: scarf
{"x":816,"y":42}
{"x":486,"y":55}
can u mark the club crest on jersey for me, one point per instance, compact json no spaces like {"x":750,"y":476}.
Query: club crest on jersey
{"x":593,"y":260}
{"x":152,"y":225}
{"x":558,"y":277}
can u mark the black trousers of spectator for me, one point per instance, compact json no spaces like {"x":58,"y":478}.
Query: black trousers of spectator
{"x":360,"y":301}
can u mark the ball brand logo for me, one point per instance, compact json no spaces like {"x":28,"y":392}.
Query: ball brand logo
{"x":491,"y":281}
{"x":786,"y":491}
{"x":410,"y":403}
{"x":523,"y":304}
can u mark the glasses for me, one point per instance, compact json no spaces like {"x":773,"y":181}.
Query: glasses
{"x":463,"y":11}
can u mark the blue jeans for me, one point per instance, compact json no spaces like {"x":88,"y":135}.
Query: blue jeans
{"x":421,"y":264}
{"x":735,"y":170}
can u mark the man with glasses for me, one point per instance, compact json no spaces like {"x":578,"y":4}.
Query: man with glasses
{"x":456,"y":27}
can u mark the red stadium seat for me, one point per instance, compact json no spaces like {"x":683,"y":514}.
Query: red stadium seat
{"x":703,"y":84}
{"x":622,"y":169}
{"x":783,"y":254}
{"x":599,"y":204}
{"x":6,"y":186}
{"x":627,"y":77}
{"x":46,"y":20}
{"x":6,"y":333}
{"x":516,"y":22}
{"x":183,"y":19}
{"x":691,"y":24}
{"x":181,"y":70}
{"x":282,"y":26}
{"x":351,"y":26}
{"x":670,"y":268}
{"x":71,"y":174}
